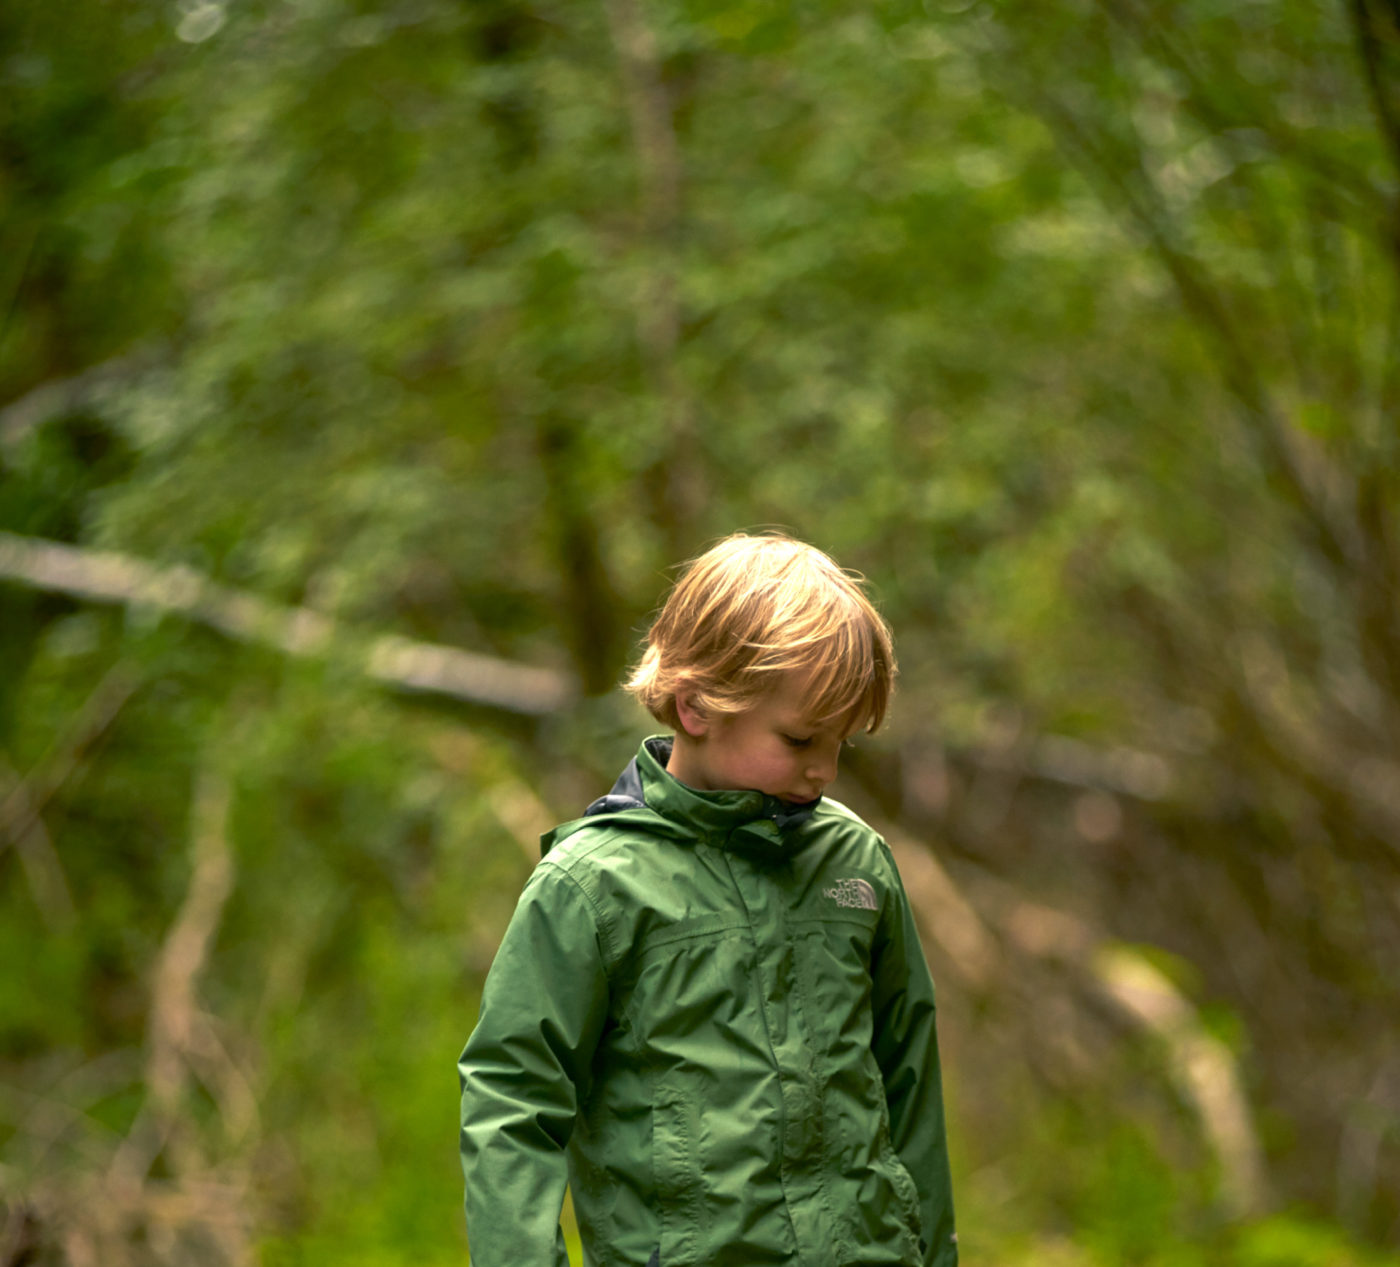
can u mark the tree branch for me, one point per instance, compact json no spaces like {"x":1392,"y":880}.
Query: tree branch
{"x":108,"y":577}
{"x":1377,"y":35}
{"x":42,"y":866}
{"x":1334,"y":538}
{"x":1202,"y":1067}
{"x":59,"y":396}
{"x":25,"y":801}
{"x":178,"y":1043}
{"x":1345,"y":187}
{"x":174,"y":1015}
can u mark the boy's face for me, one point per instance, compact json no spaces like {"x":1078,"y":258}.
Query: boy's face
{"x":772,"y":747}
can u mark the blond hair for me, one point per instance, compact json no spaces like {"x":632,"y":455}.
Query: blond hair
{"x":752,"y":608}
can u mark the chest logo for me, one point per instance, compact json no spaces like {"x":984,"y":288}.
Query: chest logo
{"x":857,"y":894}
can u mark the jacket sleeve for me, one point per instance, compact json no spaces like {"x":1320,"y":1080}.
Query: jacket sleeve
{"x":905,"y":1045}
{"x":542,"y":1011}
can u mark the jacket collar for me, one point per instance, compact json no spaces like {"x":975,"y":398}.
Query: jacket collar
{"x":745,"y":822}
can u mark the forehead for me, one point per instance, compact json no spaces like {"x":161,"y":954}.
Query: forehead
{"x":790,"y":702}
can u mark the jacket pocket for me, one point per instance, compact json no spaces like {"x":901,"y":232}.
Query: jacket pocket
{"x":676,"y":1167}
{"x":904,"y":1189}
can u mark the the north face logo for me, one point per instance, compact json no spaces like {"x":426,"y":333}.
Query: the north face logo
{"x":858,"y":894}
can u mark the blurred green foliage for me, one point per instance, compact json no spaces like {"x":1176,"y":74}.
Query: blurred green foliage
{"x":1072,"y":324}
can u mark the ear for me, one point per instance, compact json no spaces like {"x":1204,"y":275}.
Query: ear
{"x":694,"y":720}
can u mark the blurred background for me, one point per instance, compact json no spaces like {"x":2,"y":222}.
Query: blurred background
{"x":365,"y":369}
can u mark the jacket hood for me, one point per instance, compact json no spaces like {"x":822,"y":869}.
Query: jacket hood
{"x":760,"y":827}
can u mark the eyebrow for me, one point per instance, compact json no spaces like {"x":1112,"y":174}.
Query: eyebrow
{"x":810,"y":727}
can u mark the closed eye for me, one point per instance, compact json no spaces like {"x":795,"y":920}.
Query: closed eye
{"x":794,"y":741}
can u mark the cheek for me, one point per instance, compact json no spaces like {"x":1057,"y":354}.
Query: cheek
{"x":785,"y":758}
{"x":769,"y":758}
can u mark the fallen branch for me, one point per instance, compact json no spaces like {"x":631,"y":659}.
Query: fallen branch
{"x":1201,"y":1065}
{"x":1203,"y":1068}
{"x":516,"y":805}
{"x":108,"y":577}
{"x":945,"y":916}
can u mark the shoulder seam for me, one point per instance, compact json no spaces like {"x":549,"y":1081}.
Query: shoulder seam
{"x":600,"y":920}
{"x":599,"y":828}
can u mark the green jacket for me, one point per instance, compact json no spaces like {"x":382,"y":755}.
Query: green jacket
{"x":710,"y":1015}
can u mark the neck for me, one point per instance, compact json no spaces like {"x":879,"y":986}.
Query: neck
{"x":684,"y":765}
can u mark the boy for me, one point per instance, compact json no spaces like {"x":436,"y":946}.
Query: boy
{"x":710,"y":1014}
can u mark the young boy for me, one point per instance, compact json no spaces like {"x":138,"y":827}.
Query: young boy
{"x":710,"y":1014}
